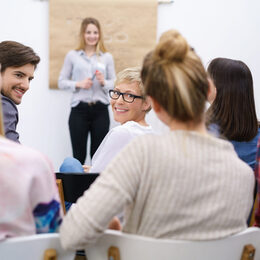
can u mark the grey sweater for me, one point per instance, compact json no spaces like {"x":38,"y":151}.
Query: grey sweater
{"x":181,"y":185}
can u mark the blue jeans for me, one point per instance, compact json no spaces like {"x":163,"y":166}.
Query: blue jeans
{"x":70,"y":165}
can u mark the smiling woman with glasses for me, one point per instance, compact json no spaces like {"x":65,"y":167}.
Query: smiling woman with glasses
{"x":129,"y":98}
{"x":129,"y":106}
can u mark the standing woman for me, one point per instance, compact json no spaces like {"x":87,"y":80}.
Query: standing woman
{"x":89,"y":72}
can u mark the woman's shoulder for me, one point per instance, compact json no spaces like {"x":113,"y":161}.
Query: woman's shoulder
{"x":73,"y":53}
{"x":119,"y":129}
{"x":106,"y":55}
{"x":132,"y":129}
{"x":21,"y":153}
{"x":258,"y":132}
{"x":129,"y":126}
{"x":124,"y":131}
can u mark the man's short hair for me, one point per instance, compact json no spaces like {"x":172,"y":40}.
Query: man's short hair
{"x":15,"y":54}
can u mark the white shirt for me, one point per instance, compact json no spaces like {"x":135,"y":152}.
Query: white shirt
{"x":114,"y":141}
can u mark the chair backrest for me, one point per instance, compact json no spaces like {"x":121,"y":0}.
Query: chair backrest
{"x":74,"y":184}
{"x":132,"y":247}
{"x":35,"y":247}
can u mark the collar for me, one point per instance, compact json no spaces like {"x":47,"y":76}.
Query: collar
{"x":82,"y":53}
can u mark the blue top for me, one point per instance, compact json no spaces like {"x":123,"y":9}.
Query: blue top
{"x":247,"y":150}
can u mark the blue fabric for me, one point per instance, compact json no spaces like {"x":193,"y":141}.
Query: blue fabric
{"x":47,"y":217}
{"x":247,"y":150}
{"x":70,"y":165}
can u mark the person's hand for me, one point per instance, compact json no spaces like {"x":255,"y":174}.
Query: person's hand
{"x":85,"y":83}
{"x":115,"y":224}
{"x":86,"y":168}
{"x":100,"y":78}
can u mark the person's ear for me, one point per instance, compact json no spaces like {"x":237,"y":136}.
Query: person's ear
{"x":147,"y":104}
{"x":160,"y":112}
{"x":212,"y":91}
{"x":155,"y":105}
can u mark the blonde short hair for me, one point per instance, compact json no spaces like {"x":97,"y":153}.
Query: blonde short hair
{"x":131,"y":75}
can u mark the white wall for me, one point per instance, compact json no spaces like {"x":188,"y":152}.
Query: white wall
{"x":214,"y":28}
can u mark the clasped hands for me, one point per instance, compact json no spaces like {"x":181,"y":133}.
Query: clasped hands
{"x":88,"y":82}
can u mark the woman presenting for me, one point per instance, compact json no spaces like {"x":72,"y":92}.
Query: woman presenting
{"x":89,"y":72}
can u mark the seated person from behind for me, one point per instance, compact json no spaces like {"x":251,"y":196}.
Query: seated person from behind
{"x":129,"y":106}
{"x":232,"y":113}
{"x":29,"y":199}
{"x":185,"y":184}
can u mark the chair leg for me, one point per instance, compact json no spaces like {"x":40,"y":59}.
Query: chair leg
{"x":248,"y":252}
{"x":113,"y":253}
{"x":50,"y":254}
{"x":60,"y":189}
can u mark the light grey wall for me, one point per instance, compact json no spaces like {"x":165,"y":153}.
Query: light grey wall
{"x":214,"y":28}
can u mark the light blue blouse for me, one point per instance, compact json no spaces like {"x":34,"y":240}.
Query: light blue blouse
{"x":78,"y":66}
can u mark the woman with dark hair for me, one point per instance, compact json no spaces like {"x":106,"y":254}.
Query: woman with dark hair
{"x":232,"y":112}
{"x":89,"y":73}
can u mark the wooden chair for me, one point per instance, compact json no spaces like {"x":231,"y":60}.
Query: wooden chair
{"x":72,"y":185}
{"x":116,"y":245}
{"x":252,"y":219}
{"x":35,"y":247}
{"x":60,"y":189}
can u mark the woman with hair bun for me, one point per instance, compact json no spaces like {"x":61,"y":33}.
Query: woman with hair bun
{"x":185,"y":184}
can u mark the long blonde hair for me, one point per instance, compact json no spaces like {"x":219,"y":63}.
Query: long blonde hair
{"x":84,"y":24}
{"x":174,"y":76}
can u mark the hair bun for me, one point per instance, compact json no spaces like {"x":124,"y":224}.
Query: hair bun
{"x":171,"y":47}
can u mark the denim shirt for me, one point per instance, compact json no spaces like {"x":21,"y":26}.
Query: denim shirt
{"x":246,"y":151}
{"x":78,"y":66}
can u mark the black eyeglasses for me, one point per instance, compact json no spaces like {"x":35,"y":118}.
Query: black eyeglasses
{"x":127,"y":97}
